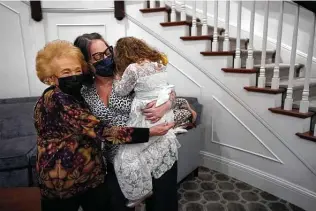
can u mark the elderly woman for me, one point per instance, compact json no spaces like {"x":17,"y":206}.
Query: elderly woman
{"x":114,"y":109}
{"x":69,"y":162}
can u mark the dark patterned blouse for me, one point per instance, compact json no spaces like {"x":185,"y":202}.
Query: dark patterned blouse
{"x":69,"y":158}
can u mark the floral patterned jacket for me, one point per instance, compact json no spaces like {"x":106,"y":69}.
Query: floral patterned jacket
{"x":69,"y":158}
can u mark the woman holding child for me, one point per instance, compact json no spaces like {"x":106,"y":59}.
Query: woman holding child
{"x":69,"y":160}
{"x":111,"y":101}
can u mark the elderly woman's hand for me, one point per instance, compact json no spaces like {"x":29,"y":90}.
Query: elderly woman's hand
{"x":161,"y":129}
{"x":153,"y":113}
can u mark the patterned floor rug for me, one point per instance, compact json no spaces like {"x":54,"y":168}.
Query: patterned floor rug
{"x":213,"y":191}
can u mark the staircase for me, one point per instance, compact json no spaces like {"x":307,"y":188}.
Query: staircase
{"x":269,"y":65}
{"x":232,"y":65}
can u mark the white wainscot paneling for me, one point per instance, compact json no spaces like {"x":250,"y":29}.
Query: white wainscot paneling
{"x":78,"y":4}
{"x":71,"y":31}
{"x":71,"y":23}
{"x":240,"y":136}
{"x":13,"y":71}
{"x":184,"y":84}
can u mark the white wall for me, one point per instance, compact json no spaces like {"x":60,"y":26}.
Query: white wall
{"x":21,"y":37}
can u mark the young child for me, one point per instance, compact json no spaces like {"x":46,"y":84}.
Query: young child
{"x":142,"y":70}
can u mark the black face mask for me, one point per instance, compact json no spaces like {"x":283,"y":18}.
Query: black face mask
{"x":71,"y":85}
{"x":105,"y":67}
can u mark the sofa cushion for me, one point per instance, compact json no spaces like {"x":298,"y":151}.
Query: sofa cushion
{"x":197,"y":107}
{"x":16,"y":120}
{"x":15,"y":152}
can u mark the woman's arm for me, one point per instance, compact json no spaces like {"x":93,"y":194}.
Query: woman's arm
{"x":127,"y":83}
{"x":81,"y":121}
{"x":154,"y":114}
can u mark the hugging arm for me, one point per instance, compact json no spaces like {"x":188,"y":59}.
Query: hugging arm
{"x":127,"y":83}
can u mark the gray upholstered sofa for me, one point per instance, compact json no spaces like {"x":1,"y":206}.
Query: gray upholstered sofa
{"x":191,"y":144}
{"x":18,"y":143}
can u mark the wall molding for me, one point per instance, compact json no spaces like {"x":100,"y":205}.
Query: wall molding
{"x":78,"y":10}
{"x":275,"y":159}
{"x":295,"y":193}
{"x":73,"y":10}
{"x":23,"y":45}
{"x":188,"y":77}
{"x":224,"y":87}
{"x":78,"y":24}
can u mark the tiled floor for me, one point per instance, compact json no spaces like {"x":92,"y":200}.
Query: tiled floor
{"x":213,"y":191}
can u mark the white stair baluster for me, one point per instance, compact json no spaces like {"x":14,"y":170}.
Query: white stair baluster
{"x":215,"y":32}
{"x":304,"y":104}
{"x":276,"y":79}
{"x":262,"y":77}
{"x":237,"y":61}
{"x":288,"y":103}
{"x":183,"y":14}
{"x":152,"y":4}
{"x":249,"y":62}
{"x":204,"y":19}
{"x":162,"y":3}
{"x":145,"y":4}
{"x":173,"y":11}
{"x":194,"y":29}
{"x":226,"y":46}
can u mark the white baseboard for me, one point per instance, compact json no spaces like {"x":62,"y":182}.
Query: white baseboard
{"x":286,"y":190}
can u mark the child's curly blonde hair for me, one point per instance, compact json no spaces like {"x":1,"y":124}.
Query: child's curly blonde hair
{"x":130,"y":50}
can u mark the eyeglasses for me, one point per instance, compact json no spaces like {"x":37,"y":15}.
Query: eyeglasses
{"x":100,"y":55}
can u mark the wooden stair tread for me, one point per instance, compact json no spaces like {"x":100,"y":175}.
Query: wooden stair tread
{"x":218,"y":53}
{"x":152,"y":10}
{"x":266,"y":90}
{"x":307,"y":135}
{"x":176,"y":23}
{"x":239,"y":70}
{"x":192,"y":38}
{"x":294,"y":112}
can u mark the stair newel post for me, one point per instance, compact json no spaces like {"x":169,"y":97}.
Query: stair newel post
{"x":173,"y":11}
{"x":276,"y":79}
{"x":249,"y":62}
{"x":162,"y":3}
{"x":226,"y":46}
{"x":215,"y":32}
{"x":152,"y":4}
{"x":289,"y":93}
{"x":204,"y":19}
{"x":262,"y":77}
{"x":304,"y":104}
{"x":237,"y":60}
{"x":194,"y":29}
{"x":183,"y":14}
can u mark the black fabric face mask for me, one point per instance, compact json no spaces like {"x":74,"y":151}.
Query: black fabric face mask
{"x":105,"y":67}
{"x":71,"y":85}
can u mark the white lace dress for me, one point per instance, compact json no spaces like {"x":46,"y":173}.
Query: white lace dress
{"x":136,"y":164}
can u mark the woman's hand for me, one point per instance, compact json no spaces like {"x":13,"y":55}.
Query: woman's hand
{"x":161,"y":129}
{"x":153,"y":113}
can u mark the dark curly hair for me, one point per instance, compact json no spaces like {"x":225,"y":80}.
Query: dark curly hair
{"x":83,"y":42}
{"x":130,"y":50}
